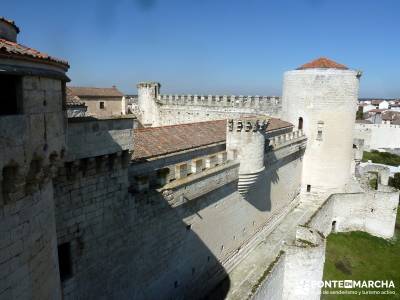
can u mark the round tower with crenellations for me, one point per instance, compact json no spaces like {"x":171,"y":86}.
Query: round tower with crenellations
{"x":245,"y":142}
{"x":320,"y":97}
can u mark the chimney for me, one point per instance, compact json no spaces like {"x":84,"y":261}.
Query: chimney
{"x":8,"y":30}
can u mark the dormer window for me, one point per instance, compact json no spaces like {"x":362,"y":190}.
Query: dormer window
{"x":11,"y":95}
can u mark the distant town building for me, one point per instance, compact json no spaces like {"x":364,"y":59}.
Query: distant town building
{"x":383,"y":105}
{"x":391,"y":117}
{"x":100,"y":101}
{"x":131,"y":104}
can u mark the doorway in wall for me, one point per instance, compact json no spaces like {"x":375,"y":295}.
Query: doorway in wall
{"x":334,"y":226}
{"x":308,"y":188}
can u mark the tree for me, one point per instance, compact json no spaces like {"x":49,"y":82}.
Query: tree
{"x":359,"y":115}
{"x":395,"y":181}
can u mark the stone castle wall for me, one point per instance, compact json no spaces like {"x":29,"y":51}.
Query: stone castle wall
{"x":300,"y":263}
{"x":372,"y":212}
{"x":377,"y":136}
{"x":31,"y":146}
{"x":158,"y":110}
{"x":179,"y":109}
{"x":159,"y":241}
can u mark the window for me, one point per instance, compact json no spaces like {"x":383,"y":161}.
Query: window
{"x":211,"y":161}
{"x":197,"y":166}
{"x":300,"y":125}
{"x":308,"y":188}
{"x":64,"y":261}
{"x":181,"y":171}
{"x":320,"y":126}
{"x":162,"y":175}
{"x":101,"y":105}
{"x":222,"y":157}
{"x":11,"y":95}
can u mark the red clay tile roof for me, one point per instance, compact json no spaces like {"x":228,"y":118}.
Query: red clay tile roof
{"x":8,"y":48}
{"x":81,"y":91}
{"x":156,"y":141}
{"x":390,"y":115}
{"x":11,"y":22}
{"x":72,"y":100}
{"x":376,"y":102}
{"x":322,"y":63}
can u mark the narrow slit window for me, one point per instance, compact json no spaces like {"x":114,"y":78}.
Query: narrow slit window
{"x":64,"y":261}
{"x":320,"y":127}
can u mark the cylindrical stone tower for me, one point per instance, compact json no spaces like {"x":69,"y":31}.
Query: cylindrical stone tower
{"x":320,"y":97}
{"x":147,"y":95}
{"x":245,"y":141}
{"x":32,"y":147}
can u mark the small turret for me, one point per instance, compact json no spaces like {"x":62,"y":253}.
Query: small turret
{"x":246,"y":143}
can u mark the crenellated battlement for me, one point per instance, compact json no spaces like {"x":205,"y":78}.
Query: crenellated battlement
{"x":148,"y":85}
{"x":247,"y":124}
{"x":219,"y":101}
{"x":287,"y":138}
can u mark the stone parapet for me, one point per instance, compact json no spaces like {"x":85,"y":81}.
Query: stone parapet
{"x":220,"y":101}
{"x":91,"y":137}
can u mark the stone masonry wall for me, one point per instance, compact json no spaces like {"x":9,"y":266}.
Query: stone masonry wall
{"x":302,"y":262}
{"x":92,"y":204}
{"x":172,"y":242}
{"x":272,"y":286}
{"x":32,"y":144}
{"x":174,"y":114}
{"x":372,"y":212}
{"x":378,"y":135}
{"x":28,"y":255}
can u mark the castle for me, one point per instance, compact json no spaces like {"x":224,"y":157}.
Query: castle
{"x":197,"y":197}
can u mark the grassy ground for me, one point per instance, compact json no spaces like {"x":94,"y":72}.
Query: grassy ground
{"x":381,"y":158}
{"x":360,"y":256}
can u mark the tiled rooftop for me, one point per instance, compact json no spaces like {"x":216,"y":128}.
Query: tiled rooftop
{"x":156,"y":141}
{"x":72,"y":100}
{"x":11,"y":49}
{"x":81,"y":91}
{"x":322,"y":63}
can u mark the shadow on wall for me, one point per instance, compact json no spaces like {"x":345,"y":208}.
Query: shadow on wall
{"x":260,"y":193}
{"x":163,"y":257}
{"x":129,"y":245}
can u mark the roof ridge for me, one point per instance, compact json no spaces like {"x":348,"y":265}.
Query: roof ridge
{"x":178,"y":125}
{"x":322,"y":63}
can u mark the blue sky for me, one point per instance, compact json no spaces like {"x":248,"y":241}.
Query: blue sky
{"x":213,"y":46}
